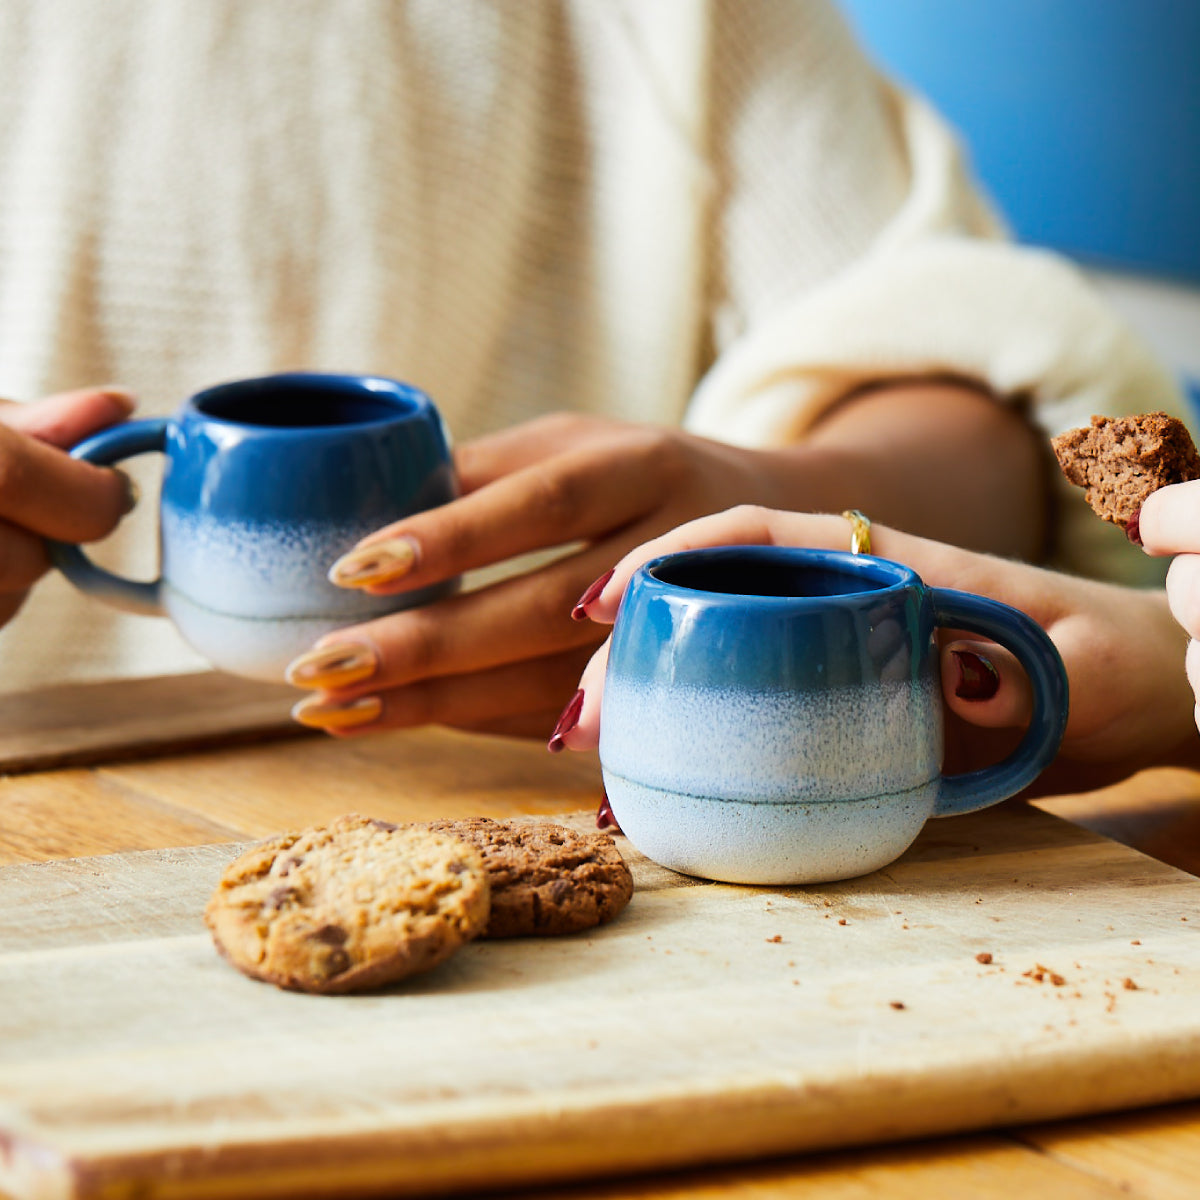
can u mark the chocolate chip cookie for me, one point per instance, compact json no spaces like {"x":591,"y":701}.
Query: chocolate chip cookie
{"x":350,"y":905}
{"x":546,"y":878}
{"x":1121,"y":460}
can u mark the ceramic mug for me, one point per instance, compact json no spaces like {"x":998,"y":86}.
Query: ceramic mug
{"x":266,"y":483}
{"x":774,"y":715}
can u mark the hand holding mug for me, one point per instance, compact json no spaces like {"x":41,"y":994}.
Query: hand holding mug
{"x":1103,"y":632}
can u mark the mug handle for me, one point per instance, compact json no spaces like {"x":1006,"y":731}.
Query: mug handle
{"x":1017,"y":632}
{"x":104,"y":448}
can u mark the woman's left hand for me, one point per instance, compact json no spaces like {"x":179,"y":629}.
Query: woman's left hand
{"x":501,"y":657}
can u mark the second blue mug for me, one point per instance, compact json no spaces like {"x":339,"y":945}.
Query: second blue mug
{"x":267,"y":482}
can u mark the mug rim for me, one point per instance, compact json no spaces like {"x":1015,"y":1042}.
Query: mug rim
{"x":409,"y":402}
{"x":885,"y":573}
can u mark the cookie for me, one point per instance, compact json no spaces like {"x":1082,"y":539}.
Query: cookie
{"x":354,"y":904}
{"x":546,"y":878}
{"x":1121,"y":460}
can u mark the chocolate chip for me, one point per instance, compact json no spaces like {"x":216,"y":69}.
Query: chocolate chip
{"x":330,"y":935}
{"x":336,"y":962}
{"x":288,"y":863}
{"x":385,"y":825}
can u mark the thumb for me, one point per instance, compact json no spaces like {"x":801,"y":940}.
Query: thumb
{"x":68,"y":417}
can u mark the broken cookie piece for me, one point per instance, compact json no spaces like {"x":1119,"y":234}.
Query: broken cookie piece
{"x":1120,"y":461}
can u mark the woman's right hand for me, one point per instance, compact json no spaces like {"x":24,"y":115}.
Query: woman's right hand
{"x":44,"y":493}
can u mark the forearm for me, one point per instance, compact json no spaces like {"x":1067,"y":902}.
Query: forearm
{"x":940,"y":459}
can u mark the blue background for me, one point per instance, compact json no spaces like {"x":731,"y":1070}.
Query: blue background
{"x":1082,"y":116}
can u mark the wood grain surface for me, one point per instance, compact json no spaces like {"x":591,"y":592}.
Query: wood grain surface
{"x":708,"y":1023}
{"x":130,"y":802}
{"x":101,"y":722}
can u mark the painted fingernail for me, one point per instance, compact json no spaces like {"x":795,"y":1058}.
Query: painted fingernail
{"x":978,"y":679}
{"x":333,"y":666}
{"x":133,"y":493}
{"x":323,"y":714}
{"x":380,"y":562}
{"x":605,"y":819}
{"x":579,"y":612}
{"x":1133,"y":528}
{"x":567,"y":722}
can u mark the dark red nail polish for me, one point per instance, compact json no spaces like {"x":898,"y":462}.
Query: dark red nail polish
{"x":1133,"y":528}
{"x":579,"y":612}
{"x":978,"y":679}
{"x":567,"y":722}
{"x":605,"y":818}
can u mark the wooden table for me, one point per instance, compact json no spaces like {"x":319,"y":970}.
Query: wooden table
{"x":108,"y":769}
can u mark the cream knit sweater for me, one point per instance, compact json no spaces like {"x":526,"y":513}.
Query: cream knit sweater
{"x":710,"y":211}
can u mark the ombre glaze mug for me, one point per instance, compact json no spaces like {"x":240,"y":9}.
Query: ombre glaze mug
{"x":774,"y":715}
{"x":266,"y":483}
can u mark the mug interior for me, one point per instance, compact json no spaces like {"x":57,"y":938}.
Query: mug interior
{"x":305,"y":402}
{"x":774,"y":571}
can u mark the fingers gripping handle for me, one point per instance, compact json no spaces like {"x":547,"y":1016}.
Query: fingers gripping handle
{"x":105,"y":448}
{"x":1037,"y":654}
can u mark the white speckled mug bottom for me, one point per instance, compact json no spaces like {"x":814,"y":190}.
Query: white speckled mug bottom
{"x":252,"y":595}
{"x":740,"y":841}
{"x":253,"y":647}
{"x":262,"y":647}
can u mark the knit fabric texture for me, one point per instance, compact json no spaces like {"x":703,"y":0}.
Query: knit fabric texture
{"x":702,"y":211}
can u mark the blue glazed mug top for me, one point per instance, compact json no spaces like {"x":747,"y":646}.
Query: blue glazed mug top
{"x":266,"y":482}
{"x":774,"y":714}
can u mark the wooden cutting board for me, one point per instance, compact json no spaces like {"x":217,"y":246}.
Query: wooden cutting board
{"x":708,"y":1022}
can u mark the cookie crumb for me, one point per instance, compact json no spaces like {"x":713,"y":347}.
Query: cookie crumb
{"x":1041,"y":974}
{"x":983,"y":957}
{"x":897,"y":1004}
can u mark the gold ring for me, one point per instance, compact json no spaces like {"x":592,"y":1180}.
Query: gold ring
{"x":860,"y":531}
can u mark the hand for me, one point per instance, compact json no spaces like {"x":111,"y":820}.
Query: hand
{"x":44,"y":493}
{"x":1169,"y":523}
{"x":503,"y":657}
{"x":1130,"y":706}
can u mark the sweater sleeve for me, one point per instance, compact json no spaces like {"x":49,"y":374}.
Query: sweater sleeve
{"x":939,"y":291}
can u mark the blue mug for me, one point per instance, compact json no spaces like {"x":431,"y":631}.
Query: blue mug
{"x":266,"y":483}
{"x":774,"y":715}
